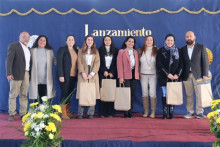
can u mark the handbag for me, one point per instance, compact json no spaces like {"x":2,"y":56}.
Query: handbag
{"x":205,"y":92}
{"x":87,"y":94}
{"x":108,"y":90}
{"x":122,"y":98}
{"x":174,"y":93}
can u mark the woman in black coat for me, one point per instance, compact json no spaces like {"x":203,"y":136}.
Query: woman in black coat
{"x":169,"y":68}
{"x":108,"y":54}
{"x":67,"y":73}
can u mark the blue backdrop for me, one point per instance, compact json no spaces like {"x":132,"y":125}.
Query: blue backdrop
{"x":158,"y":17}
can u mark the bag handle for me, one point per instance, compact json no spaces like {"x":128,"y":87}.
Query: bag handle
{"x":123,"y":84}
{"x":107,"y":77}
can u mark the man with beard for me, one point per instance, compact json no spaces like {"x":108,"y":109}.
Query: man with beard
{"x":195,"y":60}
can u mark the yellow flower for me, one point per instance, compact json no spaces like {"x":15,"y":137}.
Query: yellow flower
{"x":55,"y":116}
{"x":33,"y":104}
{"x":212,"y":114}
{"x":26,"y":133}
{"x":218,"y":120}
{"x":51,"y":136}
{"x":57,"y":107}
{"x":214,"y":105}
{"x":38,"y":115}
{"x":27,"y":126}
{"x":215,"y":101}
{"x":51,"y":127}
{"x":209,"y":115}
{"x":24,"y":118}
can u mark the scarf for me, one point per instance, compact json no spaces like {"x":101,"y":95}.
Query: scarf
{"x":174,"y":54}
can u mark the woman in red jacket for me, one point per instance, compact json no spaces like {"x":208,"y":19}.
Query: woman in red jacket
{"x":127,"y":65}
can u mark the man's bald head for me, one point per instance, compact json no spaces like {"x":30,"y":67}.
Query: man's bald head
{"x":190,"y":38}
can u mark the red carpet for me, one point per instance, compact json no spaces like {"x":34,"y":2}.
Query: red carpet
{"x":119,"y":128}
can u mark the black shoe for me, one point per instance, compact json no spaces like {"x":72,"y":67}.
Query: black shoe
{"x":125,"y":115}
{"x":171,"y":111}
{"x":130,"y":115}
{"x":164,"y":112}
{"x":79,"y":117}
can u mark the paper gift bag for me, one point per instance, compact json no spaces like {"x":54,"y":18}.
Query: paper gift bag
{"x":205,"y":92}
{"x":87,"y":94}
{"x":174,"y":93}
{"x":122,"y":98}
{"x":108,"y":90}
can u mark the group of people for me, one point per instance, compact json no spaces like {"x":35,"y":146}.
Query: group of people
{"x":127,"y":65}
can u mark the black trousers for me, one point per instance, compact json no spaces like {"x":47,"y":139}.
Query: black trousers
{"x":67,"y":87}
{"x":42,"y":91}
{"x":132,"y":84}
{"x":105,"y":108}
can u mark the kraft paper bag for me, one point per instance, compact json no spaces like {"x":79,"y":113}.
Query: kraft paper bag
{"x":108,"y":90}
{"x":205,"y":92}
{"x":87,"y":94}
{"x":174,"y":93}
{"x":122,"y":99}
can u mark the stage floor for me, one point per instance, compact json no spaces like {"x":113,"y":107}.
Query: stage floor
{"x":119,"y":128}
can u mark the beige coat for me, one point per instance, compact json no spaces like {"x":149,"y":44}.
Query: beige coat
{"x":33,"y":88}
{"x":83,"y":68}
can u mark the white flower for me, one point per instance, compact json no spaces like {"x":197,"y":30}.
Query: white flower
{"x":44,"y":98}
{"x":37,"y":129}
{"x":42,"y":125}
{"x":32,"y":115}
{"x":33,"y":125}
{"x":38,"y":134}
{"x":33,"y":134}
{"x":42,"y":108}
{"x":46,"y":116}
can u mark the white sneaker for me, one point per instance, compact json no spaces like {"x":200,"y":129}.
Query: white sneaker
{"x":189,"y":115}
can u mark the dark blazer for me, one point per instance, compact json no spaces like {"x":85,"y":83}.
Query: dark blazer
{"x":198,"y":63}
{"x":64,"y":62}
{"x":164,"y":68}
{"x":113,"y":67}
{"x":15,"y":61}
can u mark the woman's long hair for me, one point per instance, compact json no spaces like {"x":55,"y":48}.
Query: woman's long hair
{"x":112,"y":46}
{"x":85,"y":47}
{"x":47,"y":46}
{"x":74,"y":46}
{"x":124,"y":45}
{"x":144,"y":47}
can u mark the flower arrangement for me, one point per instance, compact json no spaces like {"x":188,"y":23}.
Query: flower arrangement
{"x":42,"y":125}
{"x":214,"y":120}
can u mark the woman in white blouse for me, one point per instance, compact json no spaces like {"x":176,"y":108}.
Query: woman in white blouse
{"x":88,"y":67}
{"x":128,"y":69}
{"x":108,"y":55}
{"x":147,"y":57}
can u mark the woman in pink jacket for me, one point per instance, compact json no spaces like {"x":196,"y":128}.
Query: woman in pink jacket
{"x":127,"y":65}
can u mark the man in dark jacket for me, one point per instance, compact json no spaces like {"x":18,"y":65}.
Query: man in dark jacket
{"x":195,"y":60}
{"x":17,"y":68}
